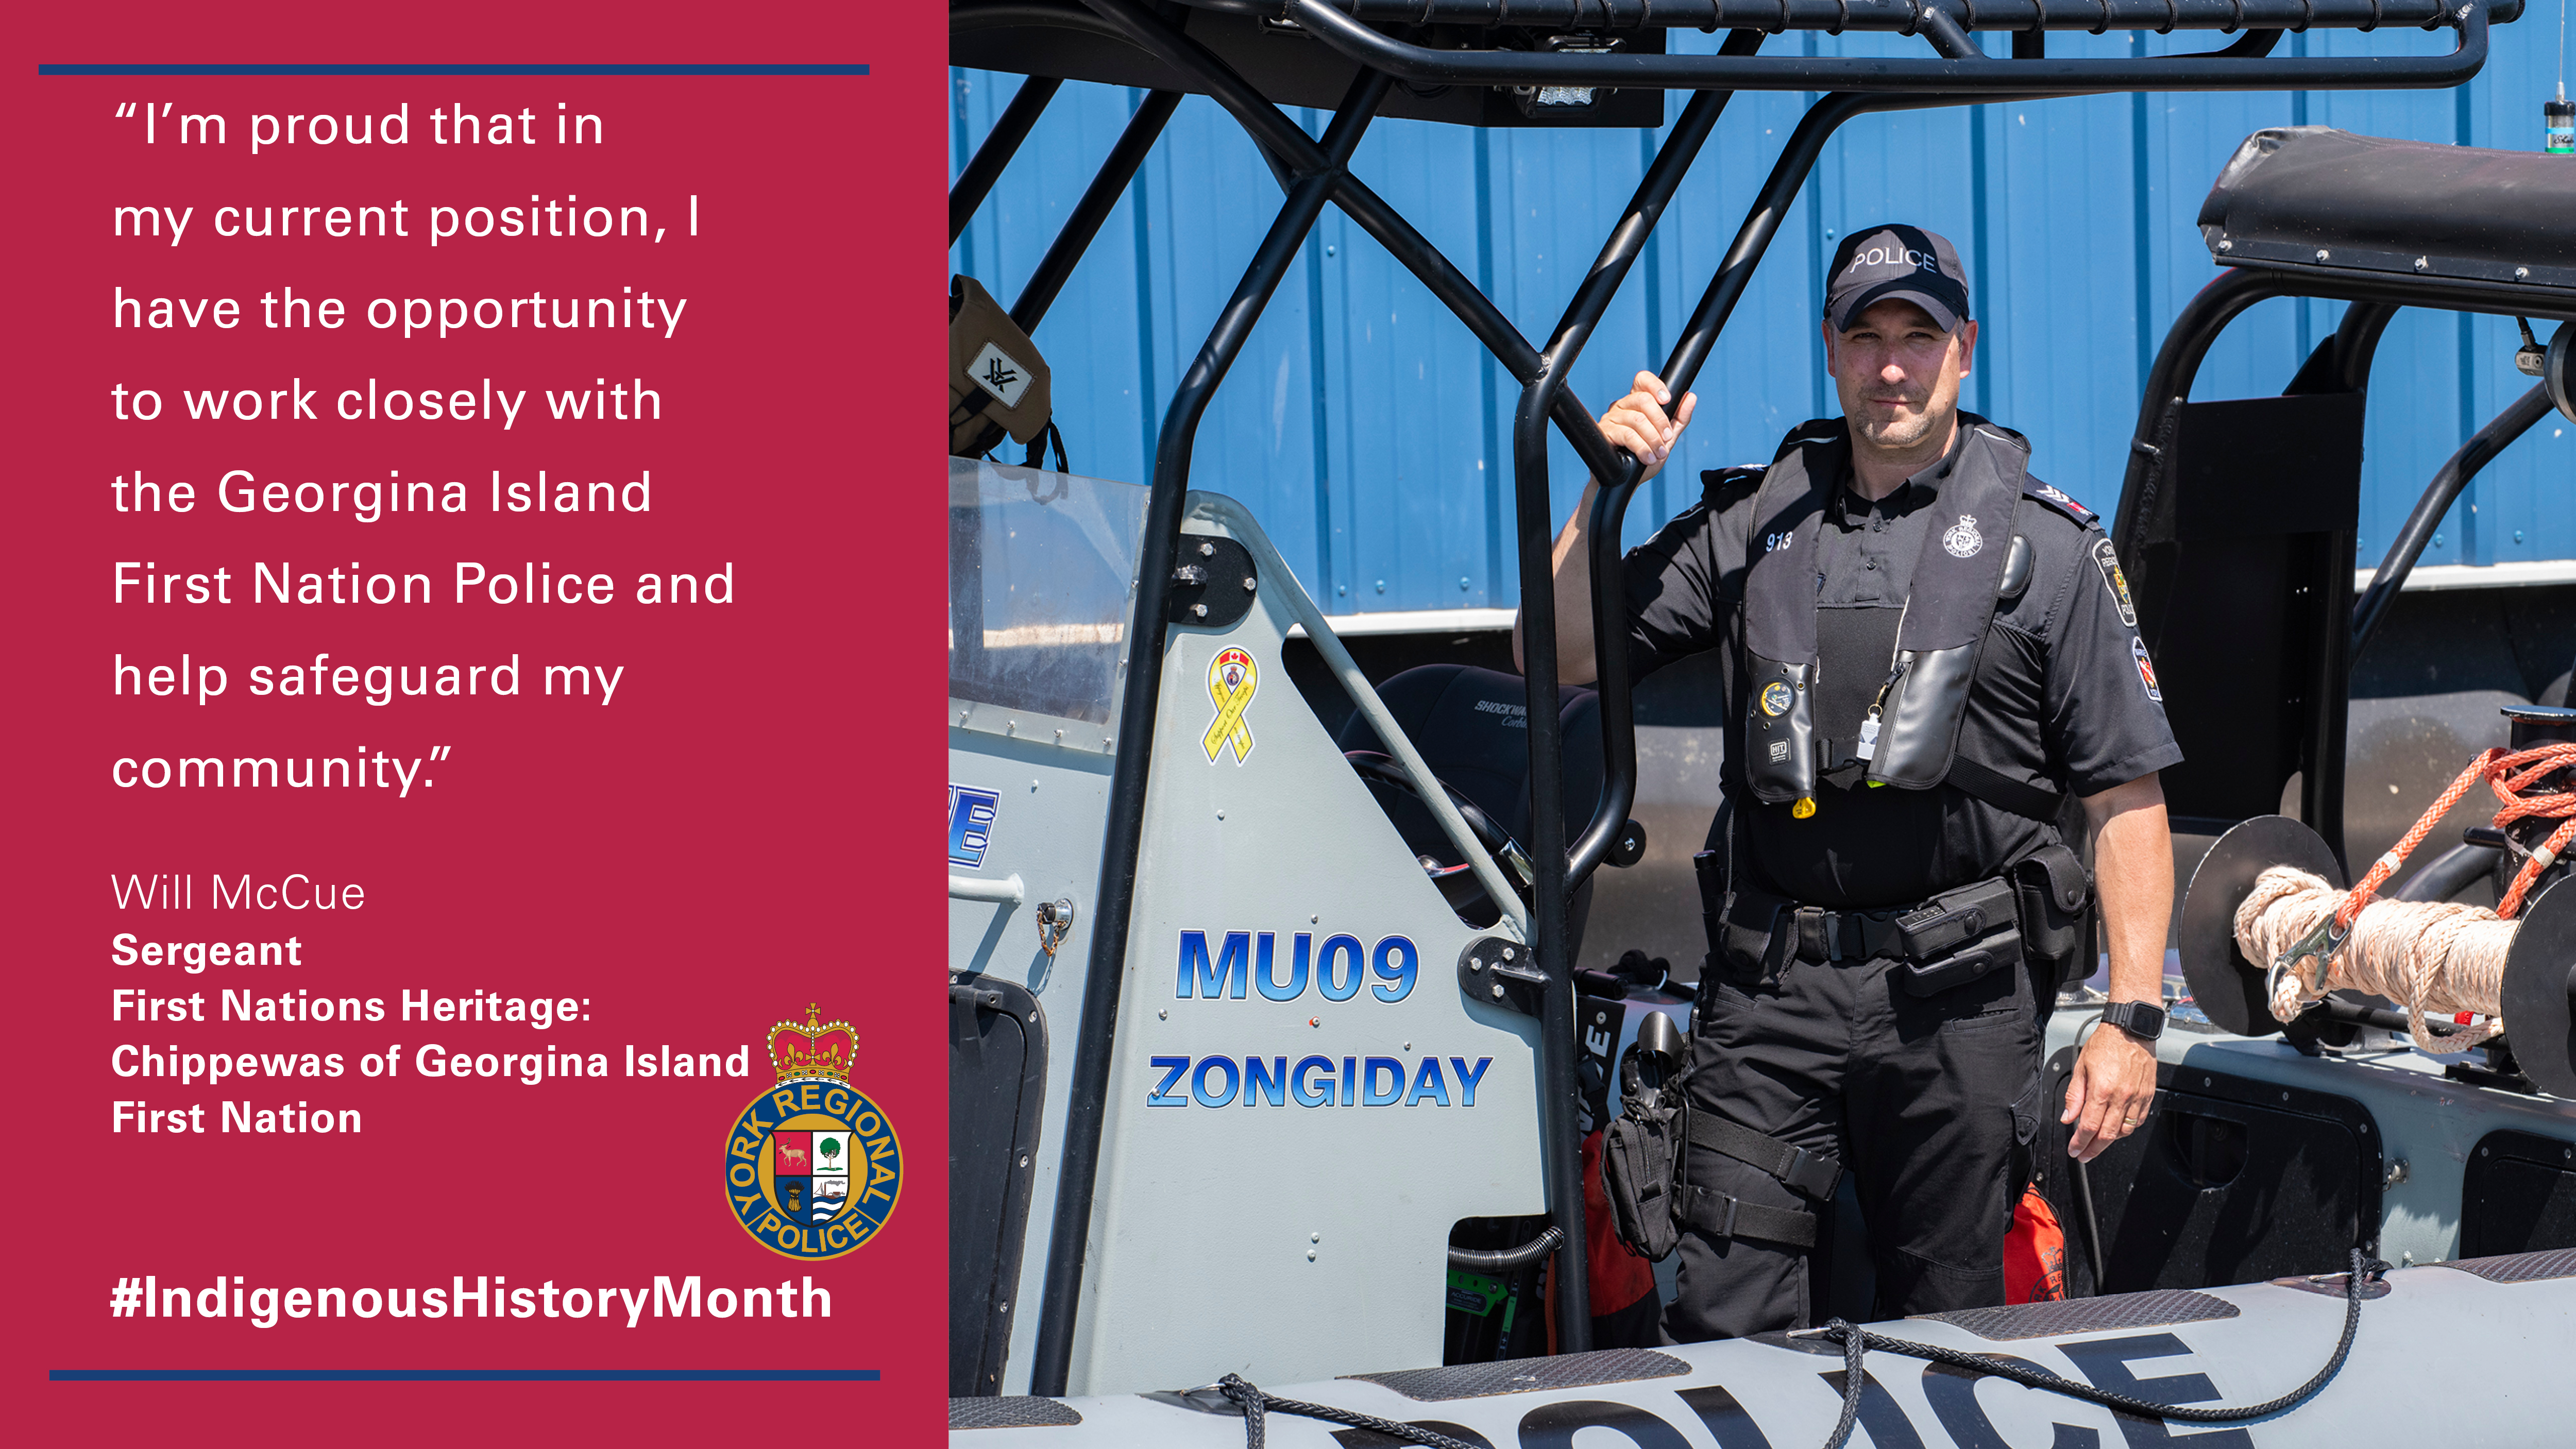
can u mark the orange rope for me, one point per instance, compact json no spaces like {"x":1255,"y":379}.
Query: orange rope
{"x":2532,"y":764}
{"x":2508,"y":773}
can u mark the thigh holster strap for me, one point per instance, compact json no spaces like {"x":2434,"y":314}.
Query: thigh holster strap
{"x":1807,"y":1172}
{"x":1717,"y":1215}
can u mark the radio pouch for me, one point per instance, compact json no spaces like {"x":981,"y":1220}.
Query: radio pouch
{"x":1641,"y":1158}
{"x":1970,"y":963}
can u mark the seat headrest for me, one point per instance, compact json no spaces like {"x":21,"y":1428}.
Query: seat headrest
{"x":1472,"y":727}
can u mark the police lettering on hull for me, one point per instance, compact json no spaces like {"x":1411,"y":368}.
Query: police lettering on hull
{"x":2219,"y":1347}
{"x":970,"y":823}
{"x":1242,"y":961}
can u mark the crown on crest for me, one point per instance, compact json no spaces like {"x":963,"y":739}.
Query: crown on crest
{"x":817,"y":1051}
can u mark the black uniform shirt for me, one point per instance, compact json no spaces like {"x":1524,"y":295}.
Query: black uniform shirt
{"x":2063,"y":696}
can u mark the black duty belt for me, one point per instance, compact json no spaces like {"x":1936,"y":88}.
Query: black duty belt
{"x":1825,"y":935}
{"x":1923,"y":931}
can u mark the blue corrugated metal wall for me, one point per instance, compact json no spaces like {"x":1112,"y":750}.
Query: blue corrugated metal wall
{"x":1369,"y":432}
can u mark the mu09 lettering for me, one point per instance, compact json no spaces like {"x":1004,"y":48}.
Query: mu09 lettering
{"x":1248,"y":960}
{"x":1315,"y":1081}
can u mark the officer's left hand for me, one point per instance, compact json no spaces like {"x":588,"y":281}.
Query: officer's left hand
{"x":2114,"y":1082}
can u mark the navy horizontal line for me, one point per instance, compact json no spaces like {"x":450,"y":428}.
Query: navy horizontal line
{"x":434,"y":70}
{"x":452,"y":1376}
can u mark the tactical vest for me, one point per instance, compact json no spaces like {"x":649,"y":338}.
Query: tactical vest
{"x":1972,"y":558}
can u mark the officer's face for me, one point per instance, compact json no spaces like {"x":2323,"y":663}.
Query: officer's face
{"x":1898,"y":373}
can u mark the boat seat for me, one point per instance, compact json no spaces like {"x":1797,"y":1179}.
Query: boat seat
{"x":1472,"y":727}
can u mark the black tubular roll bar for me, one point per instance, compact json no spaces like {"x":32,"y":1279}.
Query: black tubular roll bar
{"x":2439,"y":495}
{"x":1000,"y":145}
{"x":1610,"y":17}
{"x":1098,"y":200}
{"x":1961,"y":65}
{"x":1315,"y":174}
{"x":1558,"y":875}
{"x":2341,"y":363}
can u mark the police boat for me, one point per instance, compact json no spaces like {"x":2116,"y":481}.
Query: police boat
{"x":1271,"y":1064}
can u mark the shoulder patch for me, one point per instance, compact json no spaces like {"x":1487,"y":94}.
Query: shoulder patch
{"x":2146,"y":669}
{"x":2107,"y":559}
{"x":2084,"y":517}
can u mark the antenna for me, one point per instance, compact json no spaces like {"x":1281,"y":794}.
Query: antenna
{"x":2558,"y":118}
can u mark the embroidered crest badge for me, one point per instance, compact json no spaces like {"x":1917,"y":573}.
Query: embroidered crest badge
{"x":2146,"y":669}
{"x":2108,"y":559}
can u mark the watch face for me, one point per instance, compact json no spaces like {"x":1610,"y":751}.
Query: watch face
{"x":2137,"y":1017}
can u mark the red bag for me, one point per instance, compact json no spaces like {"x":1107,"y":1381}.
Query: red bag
{"x":2034,"y":1252}
{"x":1619,"y":1276}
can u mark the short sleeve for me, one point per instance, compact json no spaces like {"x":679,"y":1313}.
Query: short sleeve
{"x":1671,"y":582}
{"x":2104,"y":706}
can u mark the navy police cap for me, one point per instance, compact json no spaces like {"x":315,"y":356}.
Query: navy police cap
{"x":1880,"y":262}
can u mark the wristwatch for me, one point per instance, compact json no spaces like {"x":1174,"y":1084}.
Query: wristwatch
{"x":2139,"y":1019}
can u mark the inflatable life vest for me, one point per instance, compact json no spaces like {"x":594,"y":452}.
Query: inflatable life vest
{"x":1956,"y":582}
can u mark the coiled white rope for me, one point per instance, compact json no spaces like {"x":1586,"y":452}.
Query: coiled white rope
{"x":2438,"y":958}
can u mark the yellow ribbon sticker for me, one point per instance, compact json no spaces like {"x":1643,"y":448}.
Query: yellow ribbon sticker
{"x":1231,"y":680}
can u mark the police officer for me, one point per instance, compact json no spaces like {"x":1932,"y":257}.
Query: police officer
{"x":1924,"y":652}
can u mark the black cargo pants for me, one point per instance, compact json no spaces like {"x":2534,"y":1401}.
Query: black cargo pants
{"x":1930,"y":1102}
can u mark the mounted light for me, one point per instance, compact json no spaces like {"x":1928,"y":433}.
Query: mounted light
{"x":2556,"y":367}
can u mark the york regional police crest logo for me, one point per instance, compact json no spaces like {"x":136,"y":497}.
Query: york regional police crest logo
{"x":1962,"y":538}
{"x":812,"y":1167}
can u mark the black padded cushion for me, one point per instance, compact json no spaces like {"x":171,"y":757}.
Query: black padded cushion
{"x":2376,"y":204}
{"x":1471,"y":726}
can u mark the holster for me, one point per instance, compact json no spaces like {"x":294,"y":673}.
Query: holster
{"x":1745,"y":941}
{"x":2055,"y":896}
{"x":1641,"y":1159}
